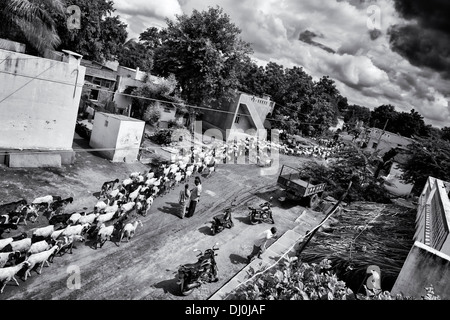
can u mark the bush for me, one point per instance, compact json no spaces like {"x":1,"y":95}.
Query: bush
{"x":294,"y":280}
{"x":152,"y":115}
{"x":162,"y":137}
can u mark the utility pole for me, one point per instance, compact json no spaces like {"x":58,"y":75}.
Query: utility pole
{"x":382,"y":133}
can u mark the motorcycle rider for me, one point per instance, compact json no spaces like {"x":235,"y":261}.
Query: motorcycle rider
{"x":259,"y":245}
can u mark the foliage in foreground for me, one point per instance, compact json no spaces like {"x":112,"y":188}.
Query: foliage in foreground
{"x":294,"y":280}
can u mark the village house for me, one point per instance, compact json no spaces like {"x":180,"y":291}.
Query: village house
{"x":39,"y":101}
{"x":244,"y":115}
{"x":428,"y":262}
{"x":99,"y":84}
{"x":381,"y":141}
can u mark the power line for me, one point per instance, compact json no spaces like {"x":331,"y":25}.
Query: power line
{"x":33,"y":78}
{"x":41,"y":79}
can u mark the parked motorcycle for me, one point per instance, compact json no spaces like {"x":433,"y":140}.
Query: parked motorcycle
{"x":222,"y":221}
{"x":191,"y":276}
{"x":262,"y":214}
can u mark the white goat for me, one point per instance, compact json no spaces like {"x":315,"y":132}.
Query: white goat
{"x":40,"y":246}
{"x":104,"y":234}
{"x":105,"y":217}
{"x":20,"y":245}
{"x":39,"y":258}
{"x":134,"y":194}
{"x":44,"y":231}
{"x":129,"y":230}
{"x":5,"y":242}
{"x":90,"y":218}
{"x":75,"y":230}
{"x":67,"y":242}
{"x":56,"y":234}
{"x":8,"y":274}
{"x":127,"y":207}
{"x":41,"y":200}
{"x":74,"y":218}
{"x":100,"y":205}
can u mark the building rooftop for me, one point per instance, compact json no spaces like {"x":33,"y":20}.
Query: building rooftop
{"x":120,"y":117}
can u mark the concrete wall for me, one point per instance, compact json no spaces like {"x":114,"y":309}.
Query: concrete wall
{"x":105,"y":137}
{"x":423,"y":267}
{"x":39,"y":102}
{"x":122,"y":136}
{"x":128,"y":141}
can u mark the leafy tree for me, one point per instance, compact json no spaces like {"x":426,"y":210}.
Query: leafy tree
{"x":445,"y":133}
{"x":151,"y":38}
{"x":428,"y":157}
{"x":381,"y":114}
{"x":136,"y":55}
{"x":251,"y":77}
{"x":101,"y":35}
{"x":203,"y":51}
{"x":165,"y":91}
{"x":31,"y":22}
{"x":355,"y":113}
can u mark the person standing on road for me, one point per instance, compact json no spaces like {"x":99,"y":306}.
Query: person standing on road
{"x":184,"y":198}
{"x":260,"y":244}
{"x":195,"y":197}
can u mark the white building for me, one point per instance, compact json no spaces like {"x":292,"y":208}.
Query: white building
{"x":39,"y":101}
{"x":117,"y":137}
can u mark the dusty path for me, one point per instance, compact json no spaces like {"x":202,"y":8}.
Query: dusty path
{"x":145,"y":268}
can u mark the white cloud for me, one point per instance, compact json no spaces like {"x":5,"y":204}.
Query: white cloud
{"x":366,"y":71}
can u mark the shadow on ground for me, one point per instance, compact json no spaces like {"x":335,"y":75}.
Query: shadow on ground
{"x":173,"y":209}
{"x":237,"y":259}
{"x":169,"y":286}
{"x":205,"y":230}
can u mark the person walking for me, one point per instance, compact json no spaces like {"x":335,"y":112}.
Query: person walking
{"x":195,"y":197}
{"x":259,"y":245}
{"x":184,"y":199}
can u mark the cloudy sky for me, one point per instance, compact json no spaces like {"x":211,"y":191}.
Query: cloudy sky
{"x":378,"y":51}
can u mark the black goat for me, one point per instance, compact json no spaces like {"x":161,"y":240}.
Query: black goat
{"x":60,"y":205}
{"x":12,"y":206}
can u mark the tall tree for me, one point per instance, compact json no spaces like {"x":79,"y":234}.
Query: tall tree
{"x":428,"y":157}
{"x":203,"y":50}
{"x":101,"y":35}
{"x":151,"y":37}
{"x":31,"y":22}
{"x":136,"y":55}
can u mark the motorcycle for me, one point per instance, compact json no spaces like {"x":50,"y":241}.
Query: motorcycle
{"x":191,"y":276}
{"x":262,"y":214}
{"x":222,"y":221}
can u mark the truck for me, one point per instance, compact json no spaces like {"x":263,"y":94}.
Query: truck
{"x":297,"y":188}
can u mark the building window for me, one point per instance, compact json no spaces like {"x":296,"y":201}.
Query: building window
{"x":167,"y":109}
{"x":375,"y":145}
{"x":97,"y":81}
{"x":238,"y":117}
{"x":106,"y":123}
{"x":93,"y":95}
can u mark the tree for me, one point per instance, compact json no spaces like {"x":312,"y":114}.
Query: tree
{"x":203,"y":51}
{"x":381,"y":114}
{"x":101,"y":35}
{"x":156,"y":93}
{"x":31,"y":22}
{"x":151,"y":38}
{"x":355,"y":113}
{"x":136,"y":55}
{"x":428,"y":157}
{"x":445,"y":133}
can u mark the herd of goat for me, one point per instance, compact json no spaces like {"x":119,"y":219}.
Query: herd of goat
{"x":115,"y":215}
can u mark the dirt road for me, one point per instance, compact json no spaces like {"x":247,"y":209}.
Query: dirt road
{"x":144,"y":268}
